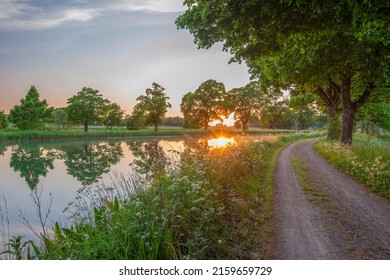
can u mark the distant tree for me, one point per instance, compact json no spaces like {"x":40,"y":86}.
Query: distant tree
{"x":136,"y":121}
{"x":206,"y":104}
{"x":86,"y":107}
{"x":61,"y":118}
{"x":114,"y":115}
{"x":32,"y":113}
{"x":154,"y":105}
{"x":191,"y":119}
{"x":3,"y":120}
{"x":277,"y":114}
{"x":246,"y":102}
{"x":372,"y":118}
{"x":173,"y":121}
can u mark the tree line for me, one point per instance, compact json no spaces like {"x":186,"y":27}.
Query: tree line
{"x":86,"y":107}
{"x":252,"y":104}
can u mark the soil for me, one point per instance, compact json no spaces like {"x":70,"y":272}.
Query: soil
{"x":347,"y":222}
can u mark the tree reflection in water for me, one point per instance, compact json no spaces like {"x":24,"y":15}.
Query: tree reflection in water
{"x":150,"y":158}
{"x":32,"y":163}
{"x":88,"y":162}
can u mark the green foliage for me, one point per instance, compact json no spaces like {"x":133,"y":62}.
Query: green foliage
{"x":246,"y":102}
{"x":334,"y":128}
{"x":61,"y":118}
{"x":340,"y":46}
{"x":277,"y":114}
{"x":207,"y":204}
{"x":154,"y":105}
{"x":86,"y":107}
{"x":136,"y":121}
{"x":206,"y":104}
{"x":3,"y":120}
{"x":374,"y":118}
{"x":173,"y":121}
{"x":114,"y":115}
{"x":32,"y":113}
{"x":366,"y":160}
{"x":20,"y":249}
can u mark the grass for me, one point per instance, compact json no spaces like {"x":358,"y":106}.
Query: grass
{"x":368,"y":160}
{"x":205,"y":204}
{"x":315,"y":196}
{"x":98,"y":132}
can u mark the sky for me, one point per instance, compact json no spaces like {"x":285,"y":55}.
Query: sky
{"x":119,"y":47}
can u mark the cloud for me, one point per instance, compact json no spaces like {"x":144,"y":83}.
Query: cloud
{"x":162,"y":6}
{"x":30,"y":15}
{"x":12,"y":8}
{"x":42,"y":19}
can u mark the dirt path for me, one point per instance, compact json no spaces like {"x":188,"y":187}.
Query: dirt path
{"x":348,"y":222}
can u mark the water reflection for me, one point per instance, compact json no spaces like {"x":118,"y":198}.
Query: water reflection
{"x":150,"y":158}
{"x":3,"y":148}
{"x":220,"y":142}
{"x":88,"y":162}
{"x":32,"y":163}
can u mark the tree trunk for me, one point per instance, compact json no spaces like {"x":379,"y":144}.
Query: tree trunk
{"x":244,"y":126}
{"x":85,"y":126}
{"x":347,"y":126}
{"x":155,"y":127}
{"x":331,"y":98}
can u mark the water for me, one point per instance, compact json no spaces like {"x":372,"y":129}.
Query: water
{"x":56,"y":171}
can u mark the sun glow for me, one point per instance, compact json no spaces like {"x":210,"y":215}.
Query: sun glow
{"x":220,"y":142}
{"x":229,"y":121}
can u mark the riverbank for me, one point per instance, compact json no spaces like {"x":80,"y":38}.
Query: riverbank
{"x":211,"y":204}
{"x":16,"y":135}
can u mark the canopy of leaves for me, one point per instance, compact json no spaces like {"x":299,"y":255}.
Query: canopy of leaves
{"x":32,"y":113}
{"x":3,"y":120}
{"x":114,"y":115}
{"x":154,"y":105}
{"x":309,"y":43}
{"x":136,"y":122}
{"x":246,"y":101}
{"x":206,"y":104}
{"x":86,"y":107}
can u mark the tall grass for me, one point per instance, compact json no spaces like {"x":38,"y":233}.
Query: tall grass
{"x":368,"y":160}
{"x":205,"y":204}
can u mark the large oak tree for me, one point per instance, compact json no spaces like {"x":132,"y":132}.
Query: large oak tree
{"x":86,"y":107}
{"x":153,"y":105}
{"x":206,"y":104}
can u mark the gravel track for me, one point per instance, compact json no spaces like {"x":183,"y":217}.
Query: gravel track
{"x":349,"y":222}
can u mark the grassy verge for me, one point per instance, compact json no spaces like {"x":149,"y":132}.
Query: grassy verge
{"x":368,"y":160}
{"x":206,"y":204}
